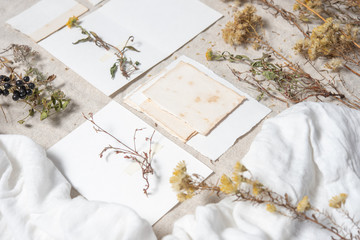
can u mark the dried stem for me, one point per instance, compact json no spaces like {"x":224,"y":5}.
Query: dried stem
{"x":143,"y":159}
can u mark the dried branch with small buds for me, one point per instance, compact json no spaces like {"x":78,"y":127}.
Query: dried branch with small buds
{"x":245,"y":188}
{"x":143,"y":159}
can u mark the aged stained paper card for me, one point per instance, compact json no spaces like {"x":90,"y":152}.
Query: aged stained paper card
{"x":237,"y":123}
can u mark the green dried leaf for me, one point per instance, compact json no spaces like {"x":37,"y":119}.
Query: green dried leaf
{"x":44,"y":114}
{"x":65,"y":103}
{"x":131,"y":48}
{"x":113,"y":70}
{"x":21,"y":121}
{"x":269,"y":75}
{"x":88,"y":39}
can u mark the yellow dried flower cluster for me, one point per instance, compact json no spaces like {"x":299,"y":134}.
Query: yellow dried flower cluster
{"x":316,"y":5}
{"x":303,"y":205}
{"x":182,"y":182}
{"x":231,"y":185}
{"x":338,"y":200}
{"x":243,"y":28}
{"x":72,"y":21}
{"x":334,"y":64}
{"x":326,"y":40}
{"x":270,"y":207}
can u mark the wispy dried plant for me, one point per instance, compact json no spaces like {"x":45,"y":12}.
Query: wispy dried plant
{"x":142,"y":158}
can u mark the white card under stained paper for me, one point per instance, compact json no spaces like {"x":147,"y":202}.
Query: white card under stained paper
{"x":113,"y":178}
{"x":224,"y":135}
{"x":159,"y":28}
{"x":46,"y":17}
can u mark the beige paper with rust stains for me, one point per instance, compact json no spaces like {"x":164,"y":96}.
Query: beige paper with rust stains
{"x":194,"y":97}
{"x":176,"y":126}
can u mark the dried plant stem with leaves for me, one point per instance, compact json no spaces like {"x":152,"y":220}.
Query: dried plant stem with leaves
{"x":287,"y":79}
{"x":33,"y":88}
{"x":143,"y":159}
{"x":125,"y":65}
{"x":243,"y":187}
{"x":271,"y":79}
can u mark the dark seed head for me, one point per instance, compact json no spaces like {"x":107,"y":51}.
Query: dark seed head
{"x":26,"y":79}
{"x":19,"y":83}
{"x":23,"y":95}
{"x":2,"y":77}
{"x":29,"y":92}
{"x":1,"y":92}
{"x":31,"y":85}
{"x":22,"y":89}
{"x":6,"y":79}
{"x":16,"y":95}
{"x":6,"y":92}
{"x":7,"y":85}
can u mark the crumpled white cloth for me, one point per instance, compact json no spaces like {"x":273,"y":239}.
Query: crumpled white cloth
{"x":309,"y":149}
{"x":35,"y":202}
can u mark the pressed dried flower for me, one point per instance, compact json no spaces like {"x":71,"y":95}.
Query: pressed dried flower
{"x":257,"y":188}
{"x":227,"y":185}
{"x":334,"y":64}
{"x":71,"y":22}
{"x":303,"y":205}
{"x":242,"y":29}
{"x":239,"y":168}
{"x":338,"y":200}
{"x":209,"y":54}
{"x":326,"y":40}
{"x":270,"y":207}
{"x":178,"y":176}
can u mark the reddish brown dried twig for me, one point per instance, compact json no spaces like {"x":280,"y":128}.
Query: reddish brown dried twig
{"x":143,"y":159}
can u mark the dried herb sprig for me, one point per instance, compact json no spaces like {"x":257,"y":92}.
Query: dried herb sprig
{"x":290,"y":81}
{"x":245,"y":188}
{"x":124,"y":64}
{"x":143,"y":159}
{"x":33,"y":88}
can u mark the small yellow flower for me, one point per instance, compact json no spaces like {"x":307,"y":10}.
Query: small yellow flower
{"x":270,"y":207}
{"x":227,"y":185}
{"x":209,"y":54}
{"x":239,"y":168}
{"x":303,"y":205}
{"x":257,"y":188}
{"x":338,"y":200}
{"x":183,"y":196}
{"x":72,"y":20}
{"x":178,"y":176}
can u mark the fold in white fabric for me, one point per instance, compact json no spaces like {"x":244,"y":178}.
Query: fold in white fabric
{"x":35,"y":202}
{"x":309,"y":149}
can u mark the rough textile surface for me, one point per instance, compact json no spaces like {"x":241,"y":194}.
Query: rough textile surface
{"x":309,"y":149}
{"x":35,"y":202}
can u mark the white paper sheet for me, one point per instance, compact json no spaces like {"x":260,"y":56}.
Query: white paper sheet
{"x":45,"y":17}
{"x":223,"y":136}
{"x":95,"y":2}
{"x":113,"y":178}
{"x":114,"y":22}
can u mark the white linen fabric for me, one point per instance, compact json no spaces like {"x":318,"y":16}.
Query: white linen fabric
{"x":35,"y":202}
{"x":309,"y":149}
